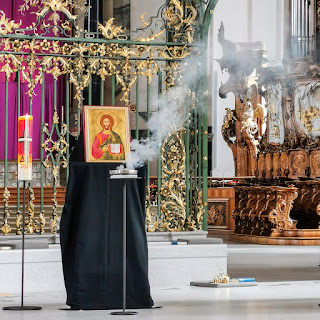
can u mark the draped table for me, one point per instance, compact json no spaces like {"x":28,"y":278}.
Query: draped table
{"x":91,"y":239}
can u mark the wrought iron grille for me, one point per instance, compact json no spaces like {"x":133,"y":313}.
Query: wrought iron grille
{"x":56,"y":46}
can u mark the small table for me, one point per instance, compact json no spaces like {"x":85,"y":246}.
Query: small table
{"x":91,"y":240}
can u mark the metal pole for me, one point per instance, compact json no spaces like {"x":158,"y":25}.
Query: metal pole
{"x":23,"y":230}
{"x":124,"y":245}
{"x":113,"y":90}
{"x":137,"y":108}
{"x":101,"y":92}
{"x":6,"y":133}
{"x":90,"y":92}
{"x":148,"y":130}
{"x":22,"y":307}
{"x":159,"y":152}
{"x":18,"y":184}
{"x":187,"y":144}
{"x":41,"y":139}
{"x":124,"y":256}
{"x":68,"y":122}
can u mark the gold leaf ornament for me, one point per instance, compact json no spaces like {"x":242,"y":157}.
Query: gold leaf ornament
{"x":145,"y":23}
{"x":7,"y":25}
{"x":109,"y":30}
{"x":6,"y":226}
{"x":56,"y":5}
{"x":175,"y":52}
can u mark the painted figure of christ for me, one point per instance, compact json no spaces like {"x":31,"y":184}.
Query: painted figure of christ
{"x":107,"y":144}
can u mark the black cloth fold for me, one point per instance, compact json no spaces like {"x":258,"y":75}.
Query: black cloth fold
{"x":91,"y":239}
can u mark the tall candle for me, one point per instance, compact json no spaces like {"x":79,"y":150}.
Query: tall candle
{"x":25,"y":148}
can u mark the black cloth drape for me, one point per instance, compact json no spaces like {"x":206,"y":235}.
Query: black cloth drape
{"x":91,"y":238}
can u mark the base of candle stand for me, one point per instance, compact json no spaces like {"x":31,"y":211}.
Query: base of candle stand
{"x":124,"y":313}
{"x":21,"y":308}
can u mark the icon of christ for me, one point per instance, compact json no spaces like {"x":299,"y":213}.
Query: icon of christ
{"x":107,"y":144}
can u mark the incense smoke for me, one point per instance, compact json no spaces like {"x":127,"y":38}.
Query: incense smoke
{"x":172,"y":114}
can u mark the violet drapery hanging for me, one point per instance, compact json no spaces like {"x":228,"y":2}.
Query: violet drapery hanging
{"x":11,"y":10}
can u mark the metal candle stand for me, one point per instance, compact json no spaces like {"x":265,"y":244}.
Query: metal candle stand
{"x":124,"y":175}
{"x":22,"y":307}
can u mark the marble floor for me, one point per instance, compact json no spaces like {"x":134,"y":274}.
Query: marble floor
{"x":289,"y":288}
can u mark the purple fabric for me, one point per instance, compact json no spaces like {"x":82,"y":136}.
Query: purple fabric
{"x":11,"y":7}
{"x":12,"y":120}
{"x":24,"y":109}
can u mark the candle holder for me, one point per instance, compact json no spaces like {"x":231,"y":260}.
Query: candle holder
{"x":124,"y":175}
{"x":24,"y":175}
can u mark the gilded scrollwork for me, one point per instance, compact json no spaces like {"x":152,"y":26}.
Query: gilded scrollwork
{"x":199,"y":206}
{"x":110,"y":31}
{"x":18,"y":223}
{"x":181,"y":19}
{"x":148,"y":68}
{"x":54,"y":226}
{"x":306,"y":117}
{"x":173,"y":205}
{"x":6,"y":226}
{"x":56,"y":151}
{"x":30,"y":227}
{"x":172,"y":73}
{"x":113,"y":55}
{"x":80,"y":60}
{"x":7,"y":25}
{"x":41,"y":224}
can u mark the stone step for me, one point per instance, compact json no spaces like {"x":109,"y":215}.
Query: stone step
{"x":302,"y":233}
{"x":249,"y":238}
{"x":299,"y":241}
{"x":170,"y":266}
{"x":295,"y":241}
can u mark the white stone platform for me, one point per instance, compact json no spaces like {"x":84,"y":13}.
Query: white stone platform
{"x":169,"y":266}
{"x":178,"y":265}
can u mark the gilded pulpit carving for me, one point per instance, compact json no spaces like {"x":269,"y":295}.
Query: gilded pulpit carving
{"x":269,"y":169}
{"x":281,"y":216}
{"x":276,"y":164}
{"x":298,"y":161}
{"x":284,"y":164}
{"x":314,"y":164}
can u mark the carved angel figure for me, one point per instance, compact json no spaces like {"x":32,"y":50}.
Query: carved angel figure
{"x":248,"y":122}
{"x":228,"y":119}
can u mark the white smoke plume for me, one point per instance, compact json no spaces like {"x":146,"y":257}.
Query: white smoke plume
{"x":172,"y":115}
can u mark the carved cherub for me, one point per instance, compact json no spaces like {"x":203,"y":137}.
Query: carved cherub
{"x":229,"y":116}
